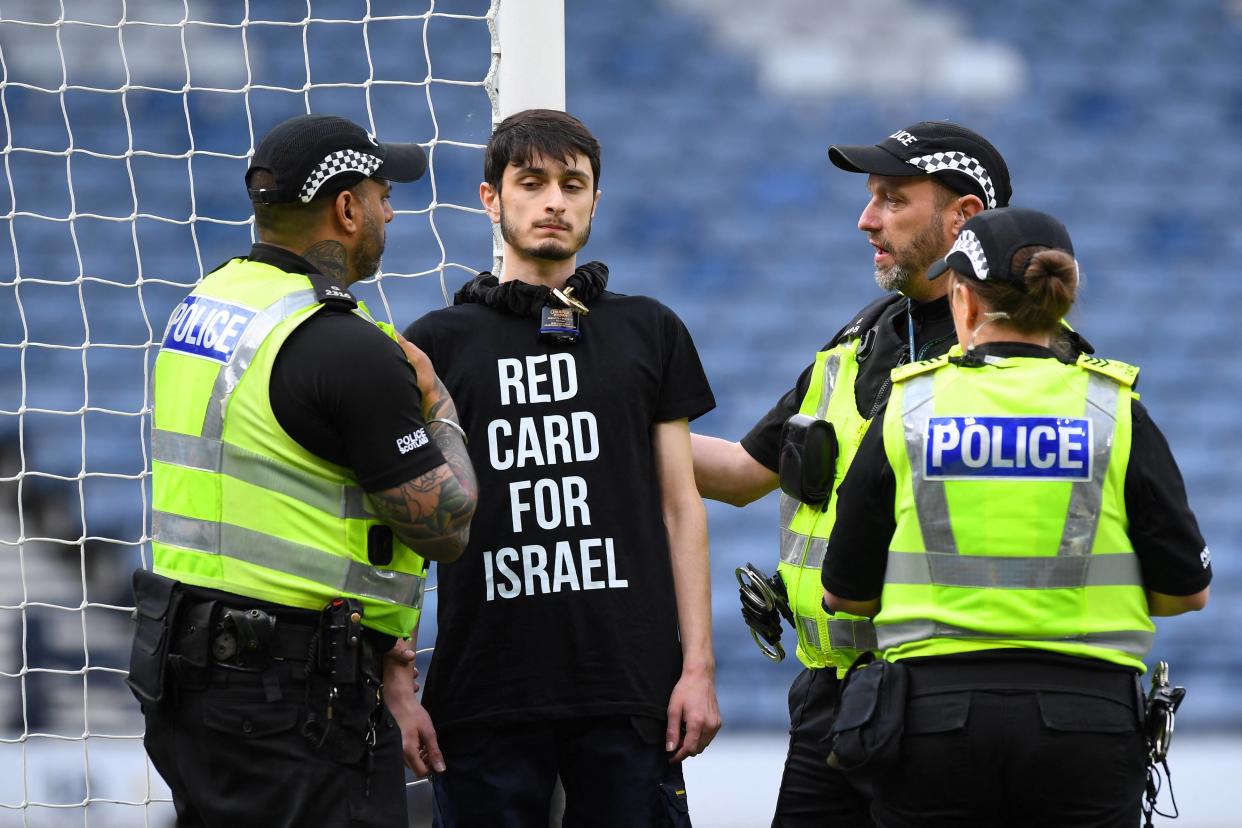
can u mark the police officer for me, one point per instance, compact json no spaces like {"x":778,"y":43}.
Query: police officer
{"x":292,"y":513}
{"x":924,"y":182}
{"x":1015,"y":521}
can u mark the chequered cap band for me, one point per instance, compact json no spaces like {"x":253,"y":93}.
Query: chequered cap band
{"x":347,"y":160}
{"x":959,"y":162}
{"x":968,"y":244}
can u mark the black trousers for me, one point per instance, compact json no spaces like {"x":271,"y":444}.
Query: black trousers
{"x":613,"y":768}
{"x":1068,"y":756}
{"x":813,"y":794}
{"x":235,"y":758}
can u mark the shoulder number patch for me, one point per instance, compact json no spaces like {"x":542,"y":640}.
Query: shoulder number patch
{"x":207,"y":328}
{"x":1031,"y":448}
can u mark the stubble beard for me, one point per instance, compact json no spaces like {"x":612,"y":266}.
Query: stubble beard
{"x":370,"y":251}
{"x":928,"y":246}
{"x":550,"y":250}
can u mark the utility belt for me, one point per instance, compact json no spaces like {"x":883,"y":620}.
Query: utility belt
{"x":182,"y":637}
{"x":945,"y":674}
{"x":866,"y":734}
{"x":184,"y":644}
{"x":249,"y":639}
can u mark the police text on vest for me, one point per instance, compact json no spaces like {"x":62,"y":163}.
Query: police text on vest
{"x":1033,"y":448}
{"x":207,"y":328}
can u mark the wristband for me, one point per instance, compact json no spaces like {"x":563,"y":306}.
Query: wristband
{"x":465,"y":440}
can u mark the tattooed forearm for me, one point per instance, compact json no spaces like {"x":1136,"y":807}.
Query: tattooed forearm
{"x":440,"y":405}
{"x":431,"y":513}
{"x":330,"y":258}
{"x":458,"y":459}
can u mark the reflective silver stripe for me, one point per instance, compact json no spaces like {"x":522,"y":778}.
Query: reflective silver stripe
{"x":831,"y":365}
{"x":1083,"y":515}
{"x":1027,"y":572}
{"x":929,"y":498}
{"x":230,"y":375}
{"x":337,"y":573}
{"x":223,"y":458}
{"x":1131,"y":642}
{"x":793,"y":545}
{"x":789,"y":508}
{"x":810,"y":632}
{"x":851,"y":635}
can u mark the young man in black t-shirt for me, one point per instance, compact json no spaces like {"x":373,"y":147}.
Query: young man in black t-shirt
{"x":575,"y":631}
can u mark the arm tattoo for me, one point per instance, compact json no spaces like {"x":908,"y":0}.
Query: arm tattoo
{"x":330,"y":258}
{"x":443,"y":406}
{"x":432,"y":512}
{"x":450,"y":442}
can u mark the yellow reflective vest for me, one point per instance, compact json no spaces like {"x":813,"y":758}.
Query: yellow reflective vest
{"x":237,"y":504}
{"x":824,"y":640}
{"x":1011,"y":527}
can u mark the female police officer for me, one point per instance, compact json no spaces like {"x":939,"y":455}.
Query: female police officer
{"x":1022,"y":520}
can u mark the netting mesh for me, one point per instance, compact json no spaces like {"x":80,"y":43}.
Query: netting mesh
{"x":127,"y":128}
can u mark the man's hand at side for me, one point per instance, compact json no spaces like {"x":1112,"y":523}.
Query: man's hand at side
{"x":418,"y":734}
{"x":693,"y":715}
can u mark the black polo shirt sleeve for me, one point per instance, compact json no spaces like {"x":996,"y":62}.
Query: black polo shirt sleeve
{"x":344,"y":391}
{"x":857,"y":552}
{"x":763,"y":441}
{"x":1163,"y":529}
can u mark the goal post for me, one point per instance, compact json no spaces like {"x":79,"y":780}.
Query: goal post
{"x":529,"y":42}
{"x":126,"y":128}
{"x":531,"y":47}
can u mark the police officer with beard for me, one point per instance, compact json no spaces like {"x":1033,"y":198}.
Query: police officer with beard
{"x":292,"y":514}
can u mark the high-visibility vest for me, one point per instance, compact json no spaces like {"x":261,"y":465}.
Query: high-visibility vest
{"x":824,"y":640}
{"x":1010,"y":511}
{"x":237,"y":504}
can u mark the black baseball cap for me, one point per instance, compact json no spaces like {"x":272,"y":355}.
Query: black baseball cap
{"x":986,"y":245}
{"x":313,"y":156}
{"x":960,"y":158}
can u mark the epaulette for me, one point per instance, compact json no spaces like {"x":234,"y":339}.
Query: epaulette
{"x":904,"y":372}
{"x":330,"y":293}
{"x":864,"y":321}
{"x":1121,"y":372}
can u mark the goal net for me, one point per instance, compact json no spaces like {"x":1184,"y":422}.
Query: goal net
{"x":127,"y":125}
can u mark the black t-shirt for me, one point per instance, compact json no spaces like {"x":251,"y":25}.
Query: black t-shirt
{"x":562,"y":604}
{"x":880,"y":352}
{"x":344,"y":391}
{"x":1162,"y":529}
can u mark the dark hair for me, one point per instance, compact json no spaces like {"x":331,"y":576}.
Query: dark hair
{"x":287,"y":220}
{"x":547,"y":132}
{"x":1051,"y":279}
{"x":943,"y":194}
